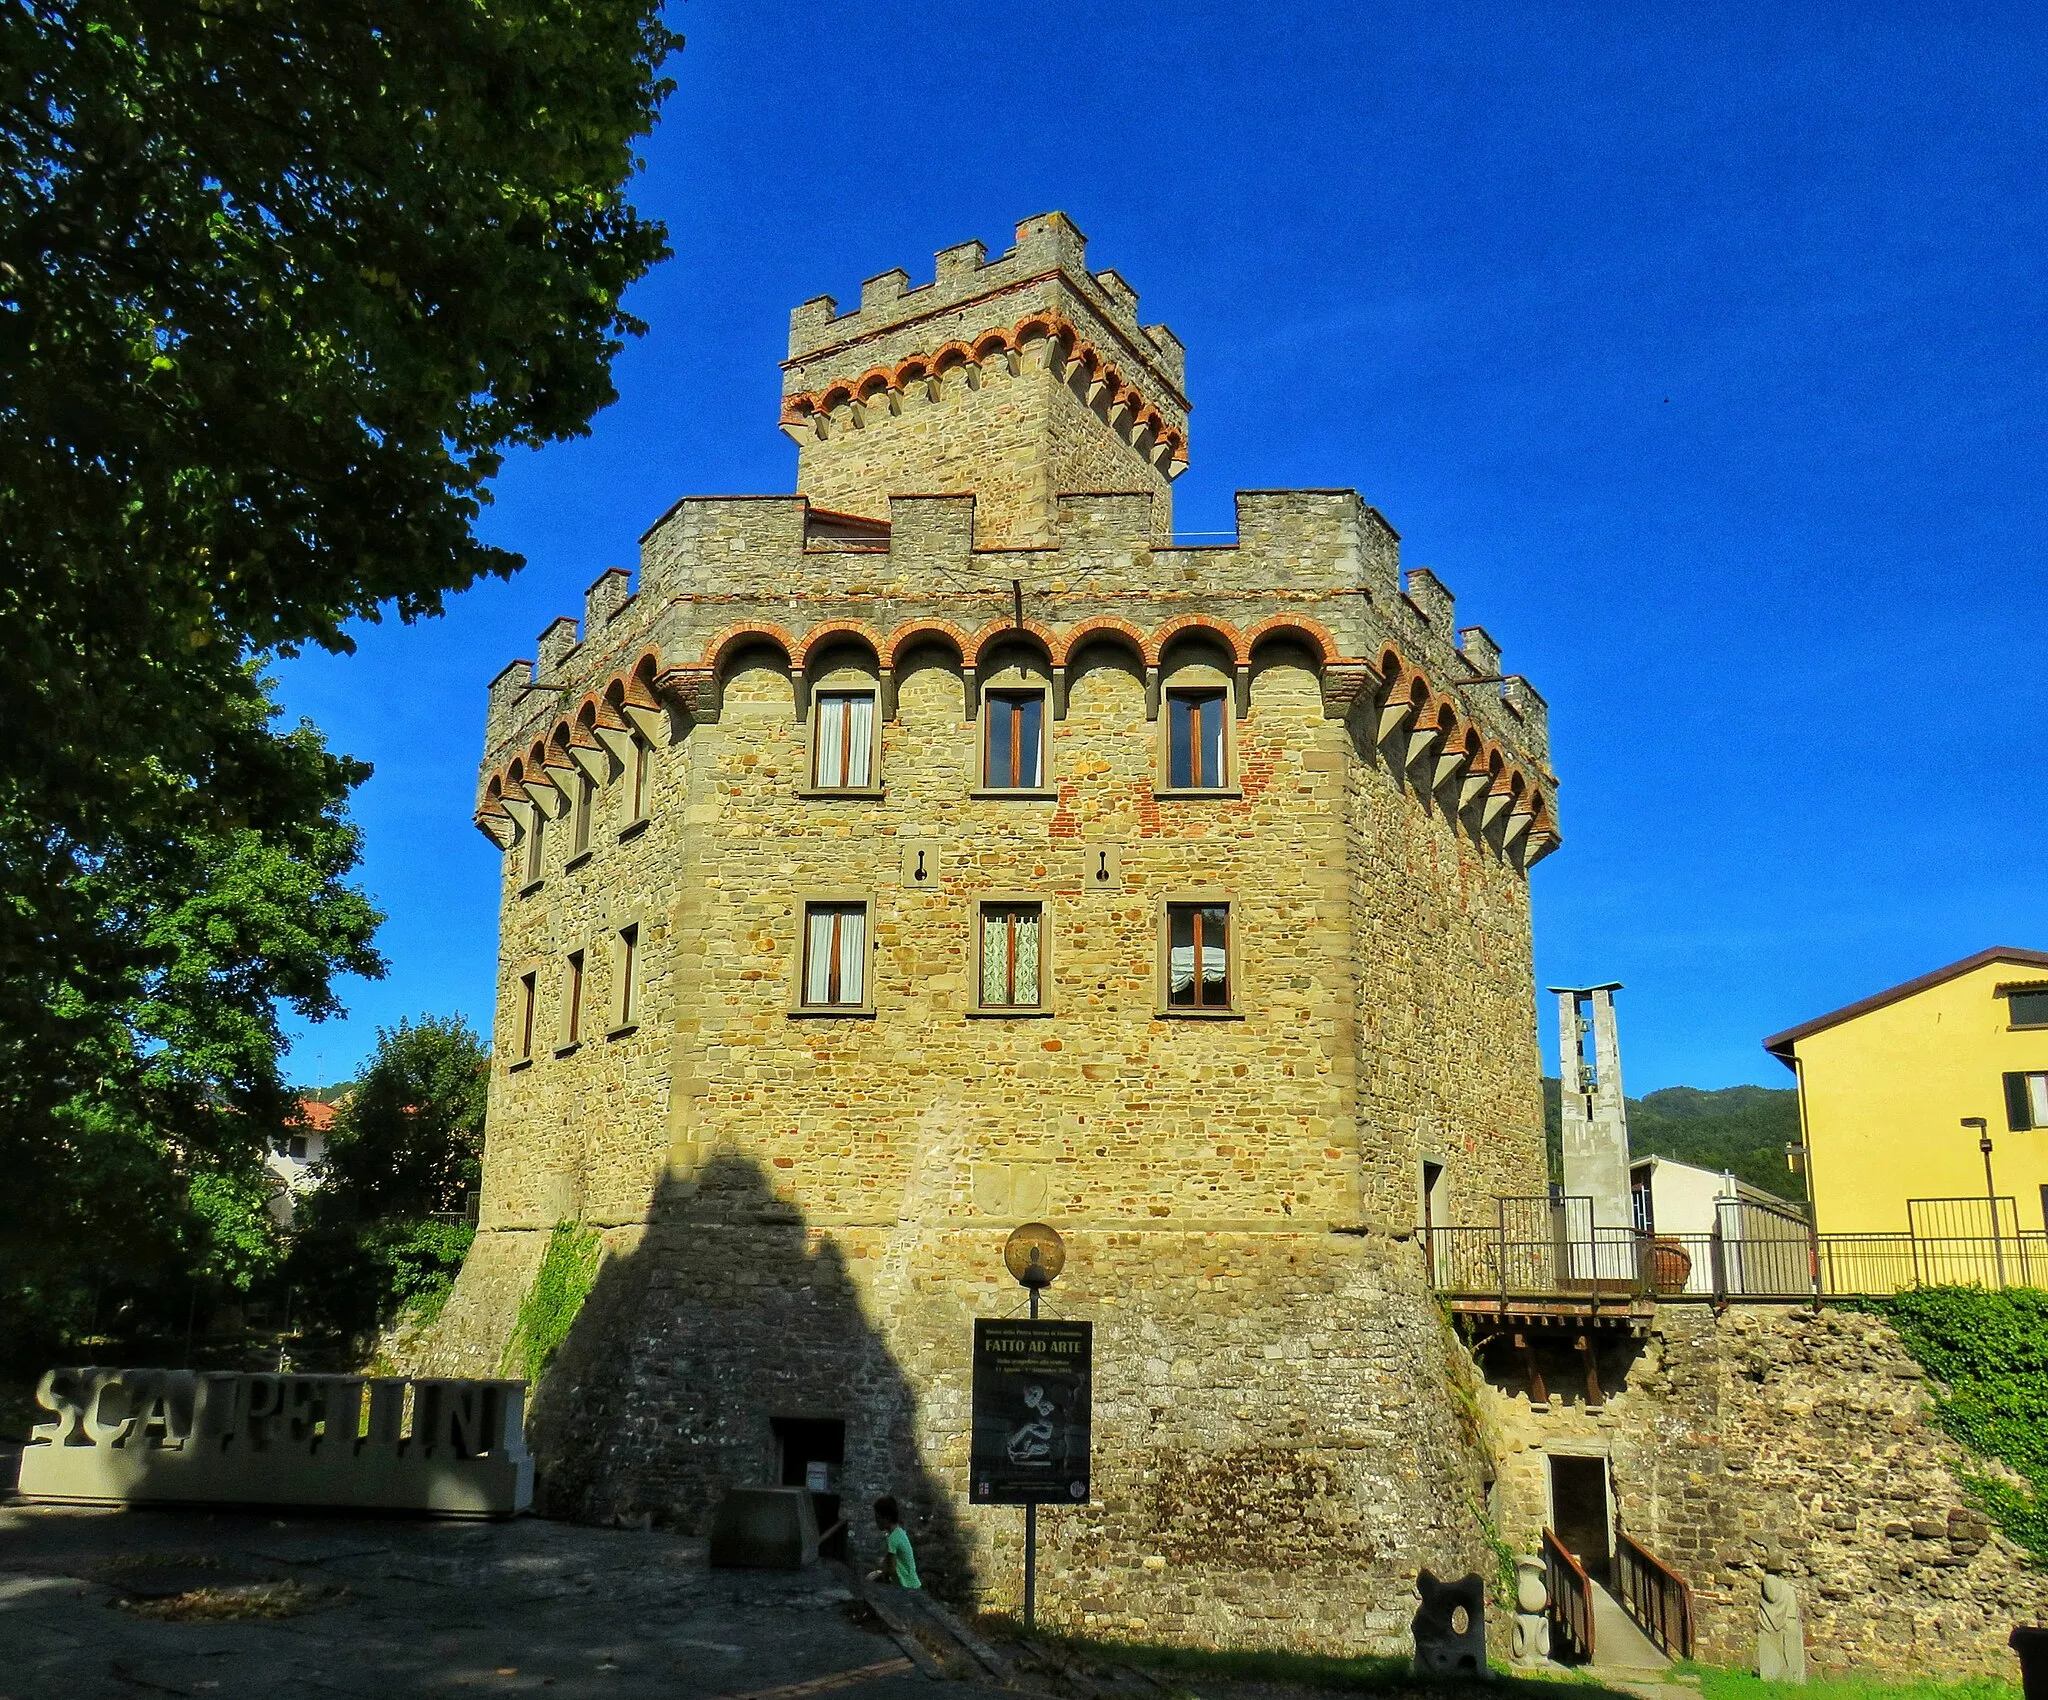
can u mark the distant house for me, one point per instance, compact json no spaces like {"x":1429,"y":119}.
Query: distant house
{"x":1887,"y":1083}
{"x":295,"y":1157}
{"x":1685,"y":1205}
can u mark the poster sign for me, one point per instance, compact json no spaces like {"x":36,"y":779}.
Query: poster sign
{"x":1031,"y":1391}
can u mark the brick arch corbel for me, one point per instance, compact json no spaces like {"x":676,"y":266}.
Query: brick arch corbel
{"x":908,"y":634}
{"x":1104,"y":626}
{"x":1295,"y":625}
{"x":493,"y":819}
{"x":975,"y":664}
{"x":721,"y":646}
{"x":1180,"y":626}
{"x":820,"y":637}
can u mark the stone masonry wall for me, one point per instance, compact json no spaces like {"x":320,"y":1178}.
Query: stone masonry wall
{"x":1773,"y":1438}
{"x":1017,"y":441}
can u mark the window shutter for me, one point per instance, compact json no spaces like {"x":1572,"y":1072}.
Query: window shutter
{"x":2019,"y":1114}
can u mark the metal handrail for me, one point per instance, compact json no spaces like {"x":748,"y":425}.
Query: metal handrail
{"x":1655,"y":1595}
{"x":1571,"y":1599}
{"x":1788,"y":1266}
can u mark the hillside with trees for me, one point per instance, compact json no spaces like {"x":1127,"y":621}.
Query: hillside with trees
{"x":1742,"y":1129}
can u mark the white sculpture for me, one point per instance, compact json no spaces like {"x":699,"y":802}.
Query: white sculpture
{"x":1780,"y":1636}
{"x":1532,"y":1621}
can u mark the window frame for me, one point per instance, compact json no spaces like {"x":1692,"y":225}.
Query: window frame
{"x":1197,"y":680}
{"x":2024,"y":1101}
{"x":1234,"y":979}
{"x":800,"y":956}
{"x":1025,"y":687}
{"x":582,"y":820}
{"x":2012,"y":995}
{"x":977,"y":911}
{"x":575,"y":989}
{"x":535,"y":871}
{"x":525,"y":1015}
{"x":639,"y":777}
{"x":627,"y":943}
{"x":862,"y":686}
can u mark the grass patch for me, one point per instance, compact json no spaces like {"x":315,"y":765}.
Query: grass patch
{"x":568,"y":1271}
{"x":1735,"y":1685}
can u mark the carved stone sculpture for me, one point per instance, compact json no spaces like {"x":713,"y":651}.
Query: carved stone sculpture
{"x":1450,"y":1627}
{"x":1780,"y":1636}
{"x":1532,"y":1621}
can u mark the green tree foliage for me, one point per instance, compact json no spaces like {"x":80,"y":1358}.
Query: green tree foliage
{"x":133,"y":1148}
{"x":1742,"y":1129}
{"x":279,"y":283}
{"x":1989,"y":1349}
{"x":403,"y":1155}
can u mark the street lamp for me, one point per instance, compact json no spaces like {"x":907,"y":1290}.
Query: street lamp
{"x":1990,"y":1191}
{"x":1034,"y":1254}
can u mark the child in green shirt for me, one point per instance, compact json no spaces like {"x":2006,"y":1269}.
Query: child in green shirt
{"x":899,"y":1565}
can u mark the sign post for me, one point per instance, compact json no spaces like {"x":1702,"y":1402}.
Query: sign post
{"x":1030,"y":1443}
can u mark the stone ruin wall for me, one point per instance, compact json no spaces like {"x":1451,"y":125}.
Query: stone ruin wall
{"x":1773,"y":1438}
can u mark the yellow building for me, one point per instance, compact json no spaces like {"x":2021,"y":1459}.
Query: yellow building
{"x":1886,"y":1085}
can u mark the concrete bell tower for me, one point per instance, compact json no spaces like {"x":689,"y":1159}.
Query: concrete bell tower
{"x":1595,"y":1112}
{"x":1019,"y":379}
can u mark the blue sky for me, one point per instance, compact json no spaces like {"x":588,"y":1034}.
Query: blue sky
{"x":1699,"y":349}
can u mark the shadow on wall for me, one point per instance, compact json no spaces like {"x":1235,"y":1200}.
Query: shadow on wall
{"x":728,"y":1348}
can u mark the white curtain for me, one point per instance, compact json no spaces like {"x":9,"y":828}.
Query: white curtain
{"x":853,"y":955}
{"x":860,"y":716}
{"x":845,"y":741}
{"x":1180,"y":966}
{"x":818,"y":957}
{"x":831,"y":741}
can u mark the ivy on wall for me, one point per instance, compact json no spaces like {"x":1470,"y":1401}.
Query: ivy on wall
{"x":568,"y":1271}
{"x":1990,"y":1351}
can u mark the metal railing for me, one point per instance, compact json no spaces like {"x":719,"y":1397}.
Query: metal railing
{"x":1754,"y":1252}
{"x":1571,"y":1601}
{"x":1655,"y":1596}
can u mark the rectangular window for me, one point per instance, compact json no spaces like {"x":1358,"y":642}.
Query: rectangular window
{"x":296,"y":1147}
{"x":843,"y":757}
{"x":572,"y":1007}
{"x":629,"y":966}
{"x":536,"y":845}
{"x":1195,"y":740}
{"x":2026,"y":1102}
{"x":2029,"y":1008}
{"x":528,"y":997}
{"x":1012,"y":955}
{"x":1198,"y":956}
{"x":586,"y":801}
{"x":1014,"y":759}
{"x":835,"y":955}
{"x":637,"y":772}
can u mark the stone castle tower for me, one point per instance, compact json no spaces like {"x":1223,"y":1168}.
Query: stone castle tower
{"x":942,"y":848}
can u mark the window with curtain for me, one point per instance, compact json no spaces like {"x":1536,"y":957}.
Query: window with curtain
{"x":835,"y":955}
{"x":1198,"y":956}
{"x":1014,"y":760}
{"x":1194,"y":756}
{"x":843,"y":753}
{"x":1012,"y":937}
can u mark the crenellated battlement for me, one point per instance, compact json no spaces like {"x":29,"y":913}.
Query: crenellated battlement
{"x":1317,"y":571}
{"x":1047,"y":245}
{"x":1021,"y":379}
